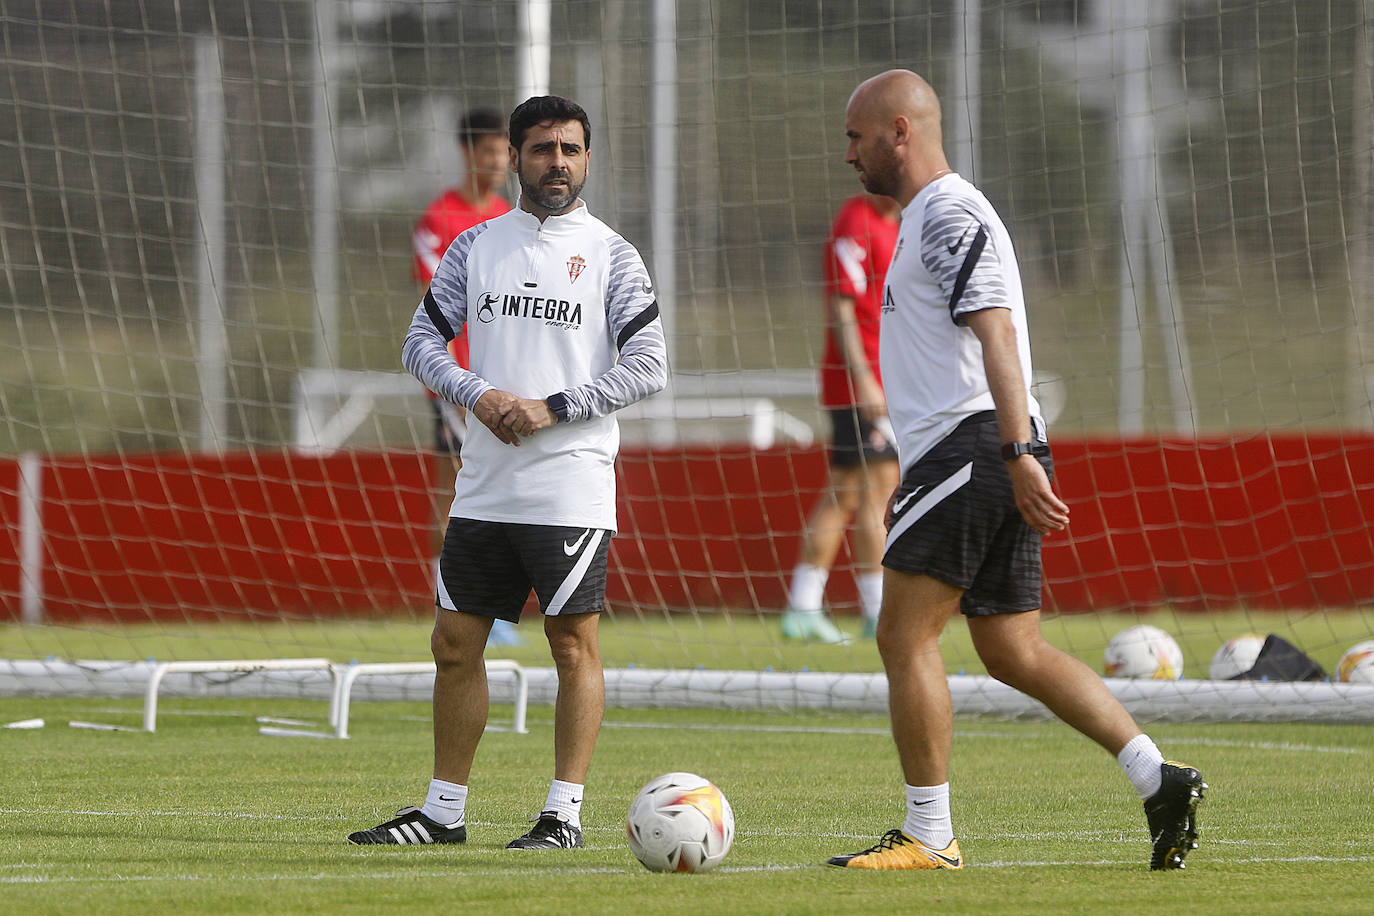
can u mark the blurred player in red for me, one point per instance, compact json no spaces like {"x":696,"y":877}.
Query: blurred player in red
{"x":863,"y":456}
{"x":483,"y":143}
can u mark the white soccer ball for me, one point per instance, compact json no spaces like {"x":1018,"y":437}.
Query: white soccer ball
{"x":1236,"y":656}
{"x":680,"y":822}
{"x":1144,"y":651}
{"x":1357,"y":664}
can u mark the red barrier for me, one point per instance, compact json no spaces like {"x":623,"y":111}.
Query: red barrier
{"x":174,"y":536}
{"x":1267,"y":521}
{"x":1263,"y":521}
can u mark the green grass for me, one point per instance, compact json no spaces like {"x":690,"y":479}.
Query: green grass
{"x":723,"y":641}
{"x":207,"y":815}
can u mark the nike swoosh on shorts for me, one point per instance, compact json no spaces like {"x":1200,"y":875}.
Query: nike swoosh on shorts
{"x":901,"y":504}
{"x":569,"y":550}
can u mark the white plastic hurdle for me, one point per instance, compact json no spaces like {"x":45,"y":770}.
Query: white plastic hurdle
{"x":244,"y":666}
{"x":346,"y":675}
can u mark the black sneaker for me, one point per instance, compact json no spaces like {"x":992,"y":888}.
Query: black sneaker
{"x":409,"y":827}
{"x":1172,"y":814}
{"x":549,"y":832}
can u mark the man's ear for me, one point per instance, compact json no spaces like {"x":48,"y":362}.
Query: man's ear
{"x":514,"y":159}
{"x":901,"y":128}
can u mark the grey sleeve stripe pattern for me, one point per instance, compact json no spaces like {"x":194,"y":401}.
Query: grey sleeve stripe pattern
{"x":444,"y":309}
{"x":955,"y":249}
{"x":633,"y":316}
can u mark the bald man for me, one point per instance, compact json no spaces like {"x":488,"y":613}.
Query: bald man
{"x":964,"y":525}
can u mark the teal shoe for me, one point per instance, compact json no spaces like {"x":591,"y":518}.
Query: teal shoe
{"x":503,"y":634}
{"x":812,"y":626}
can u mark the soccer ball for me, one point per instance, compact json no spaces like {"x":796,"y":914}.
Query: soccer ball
{"x":1357,"y":664}
{"x":680,"y":822}
{"x":1235,"y":657}
{"x":1144,"y":651}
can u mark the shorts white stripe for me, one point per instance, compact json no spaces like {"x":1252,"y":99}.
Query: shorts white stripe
{"x":927,"y":502}
{"x":575,"y":577}
{"x":441,"y":590}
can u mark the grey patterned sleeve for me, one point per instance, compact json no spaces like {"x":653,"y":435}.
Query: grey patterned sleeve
{"x":441,"y":313}
{"x":633,"y":318}
{"x":958,"y":250}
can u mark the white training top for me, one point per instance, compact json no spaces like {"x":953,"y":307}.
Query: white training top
{"x":953,"y":257}
{"x":560,"y":307}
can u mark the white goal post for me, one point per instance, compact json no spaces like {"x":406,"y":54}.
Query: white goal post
{"x":1148,"y":700}
{"x":287,"y":678}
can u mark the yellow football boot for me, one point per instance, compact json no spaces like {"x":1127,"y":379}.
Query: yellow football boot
{"x":897,"y":852}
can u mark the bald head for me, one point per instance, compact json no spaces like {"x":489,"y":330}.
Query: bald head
{"x":896,"y":115}
{"x":900,"y":93}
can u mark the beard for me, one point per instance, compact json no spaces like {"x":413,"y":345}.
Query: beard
{"x":555,"y":200}
{"x":880,"y":172}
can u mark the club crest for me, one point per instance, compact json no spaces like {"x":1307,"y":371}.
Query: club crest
{"x":576,"y":264}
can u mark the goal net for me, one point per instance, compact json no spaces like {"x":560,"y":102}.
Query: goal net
{"x":209,"y":451}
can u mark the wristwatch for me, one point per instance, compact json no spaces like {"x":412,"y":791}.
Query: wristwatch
{"x":1013,"y":450}
{"x":558,"y":406}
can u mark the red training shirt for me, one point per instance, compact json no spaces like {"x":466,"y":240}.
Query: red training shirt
{"x":856,"y":259}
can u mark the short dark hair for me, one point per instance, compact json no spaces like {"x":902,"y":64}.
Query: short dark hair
{"x":543,"y":108}
{"x":480,"y":122}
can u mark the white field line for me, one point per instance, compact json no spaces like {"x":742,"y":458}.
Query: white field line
{"x":837,"y":730}
{"x":999,"y":735}
{"x":776,"y":729}
{"x":449,"y":874}
{"x":1092,"y":836}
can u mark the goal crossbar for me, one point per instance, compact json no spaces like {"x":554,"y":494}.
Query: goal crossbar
{"x":1186,"y":700}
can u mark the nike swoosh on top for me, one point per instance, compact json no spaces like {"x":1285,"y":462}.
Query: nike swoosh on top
{"x":446,"y":798}
{"x":955,"y":247}
{"x":928,"y":801}
{"x":573,"y":548}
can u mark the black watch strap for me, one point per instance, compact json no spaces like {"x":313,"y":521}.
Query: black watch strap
{"x":558,"y":403}
{"x":1013,"y":450}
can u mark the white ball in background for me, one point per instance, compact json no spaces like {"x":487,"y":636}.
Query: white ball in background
{"x":1144,"y":651}
{"x":1357,"y":664}
{"x":1236,"y":656}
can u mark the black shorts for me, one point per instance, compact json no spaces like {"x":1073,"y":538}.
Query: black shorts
{"x":854,"y":441}
{"x":955,"y":519}
{"x":488,"y":568}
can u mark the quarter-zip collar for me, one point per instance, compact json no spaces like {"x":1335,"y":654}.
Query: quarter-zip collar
{"x":573,"y":219}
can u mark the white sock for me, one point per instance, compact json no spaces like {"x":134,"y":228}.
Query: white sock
{"x":446,"y":803}
{"x":870,"y":594}
{"x":565,"y":799}
{"x":927,"y":815}
{"x":808,"y":587}
{"x":1141,"y":759}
